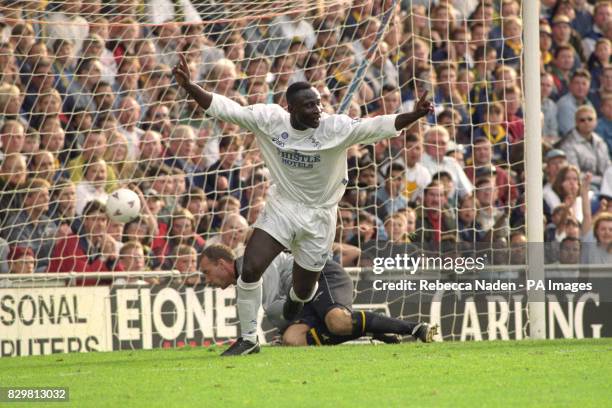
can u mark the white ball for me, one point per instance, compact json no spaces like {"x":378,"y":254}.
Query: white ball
{"x":123,"y":205}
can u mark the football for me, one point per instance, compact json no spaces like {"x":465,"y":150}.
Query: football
{"x":123,"y":205}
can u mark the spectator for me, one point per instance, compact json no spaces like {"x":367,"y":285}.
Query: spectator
{"x":289,"y":26}
{"x":92,"y":187}
{"x":12,"y":137}
{"x":512,"y":47}
{"x":569,"y":186}
{"x":518,"y":248}
{"x":9,"y":71}
{"x":195,"y":201}
{"x":92,"y":250}
{"x":550,"y":126}
{"x":31,"y":144}
{"x":30,"y":226}
{"x":434,"y":223}
{"x":562,"y":68}
{"x":63,"y":206}
{"x":94,"y":47}
{"x":570,"y":250}
{"x":396,"y":227}
{"x":583,"y":21}
{"x":43,"y":165}
{"x":585,"y":148}
{"x":546,"y":44}
{"x":147,"y":56}
{"x":126,"y":81}
{"x":494,"y":131}
{"x":389,"y":198}
{"x":128,"y":117}
{"x":13,"y":177}
{"x":104,"y":100}
{"x":490,"y":216}
{"x":116,"y":156}
{"x":447,"y":92}
{"x":600,"y":251}
{"x":569,"y":103}
{"x":180,"y":148}
{"x":605,"y":89}
{"x":155,"y":81}
{"x":22,"y":39}
{"x":151,"y":153}
{"x":223,"y":176}
{"x":168,"y":40}
{"x":64,"y":61}
{"x":132,"y":259}
{"x":182,"y":230}
{"x":10,"y":103}
{"x":390,"y":101}
{"x":507,"y":191}
{"x":417,"y":176}
{"x":21,"y":260}
{"x":598,"y":61}
{"x":255,"y":186}
{"x":555,"y":160}
{"x":346,"y":226}
{"x":123,"y":37}
{"x":163,"y":184}
{"x":65,"y":23}
{"x":469,"y":229}
{"x":48,"y":104}
{"x":602,"y":14}
{"x":563,"y":35}
{"x":93,"y":149}
{"x":233,"y":234}
{"x":604,"y":121}
{"x":366,"y":230}
{"x":157,"y":118}
{"x":561,"y":219}
{"x":185,"y":260}
{"x":41,"y":80}
{"x":435,"y":159}
{"x":53,"y":138}
{"x":255,"y":210}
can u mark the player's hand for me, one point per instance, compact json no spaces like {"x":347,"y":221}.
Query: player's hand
{"x":181,"y":72}
{"x":109,"y":247}
{"x":423,"y":106}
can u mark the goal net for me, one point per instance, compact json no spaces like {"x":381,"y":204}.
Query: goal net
{"x":88,"y":104}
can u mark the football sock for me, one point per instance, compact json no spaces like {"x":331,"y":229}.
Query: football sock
{"x":248,"y":302}
{"x":370,"y":322}
{"x":320,"y":336}
{"x":295,"y":297}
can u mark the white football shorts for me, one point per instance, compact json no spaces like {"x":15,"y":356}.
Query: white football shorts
{"x":307,"y":231}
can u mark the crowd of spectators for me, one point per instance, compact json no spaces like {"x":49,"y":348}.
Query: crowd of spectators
{"x":88,"y":104}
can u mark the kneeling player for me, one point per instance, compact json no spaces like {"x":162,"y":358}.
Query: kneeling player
{"x":327,"y":319}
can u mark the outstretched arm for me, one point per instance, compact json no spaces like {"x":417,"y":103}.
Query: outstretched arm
{"x":183,"y":78}
{"x":423,"y":107}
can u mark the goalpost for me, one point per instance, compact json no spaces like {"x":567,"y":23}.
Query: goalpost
{"x":533,"y":164}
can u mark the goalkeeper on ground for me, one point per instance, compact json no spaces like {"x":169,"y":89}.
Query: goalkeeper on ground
{"x":328,"y":319}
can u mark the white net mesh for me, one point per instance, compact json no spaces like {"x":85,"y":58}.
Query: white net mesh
{"x":88,"y":104}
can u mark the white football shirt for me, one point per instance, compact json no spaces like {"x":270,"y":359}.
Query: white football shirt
{"x":306,"y":166}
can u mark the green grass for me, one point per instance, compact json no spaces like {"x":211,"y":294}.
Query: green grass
{"x":527,"y":373}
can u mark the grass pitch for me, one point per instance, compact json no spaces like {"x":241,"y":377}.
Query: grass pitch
{"x":526,"y":373}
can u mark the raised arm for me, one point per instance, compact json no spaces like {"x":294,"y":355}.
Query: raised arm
{"x":587,"y":217}
{"x":183,"y":78}
{"x":423,"y":107}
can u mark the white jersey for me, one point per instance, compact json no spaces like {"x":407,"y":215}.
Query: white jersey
{"x":306,"y":166}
